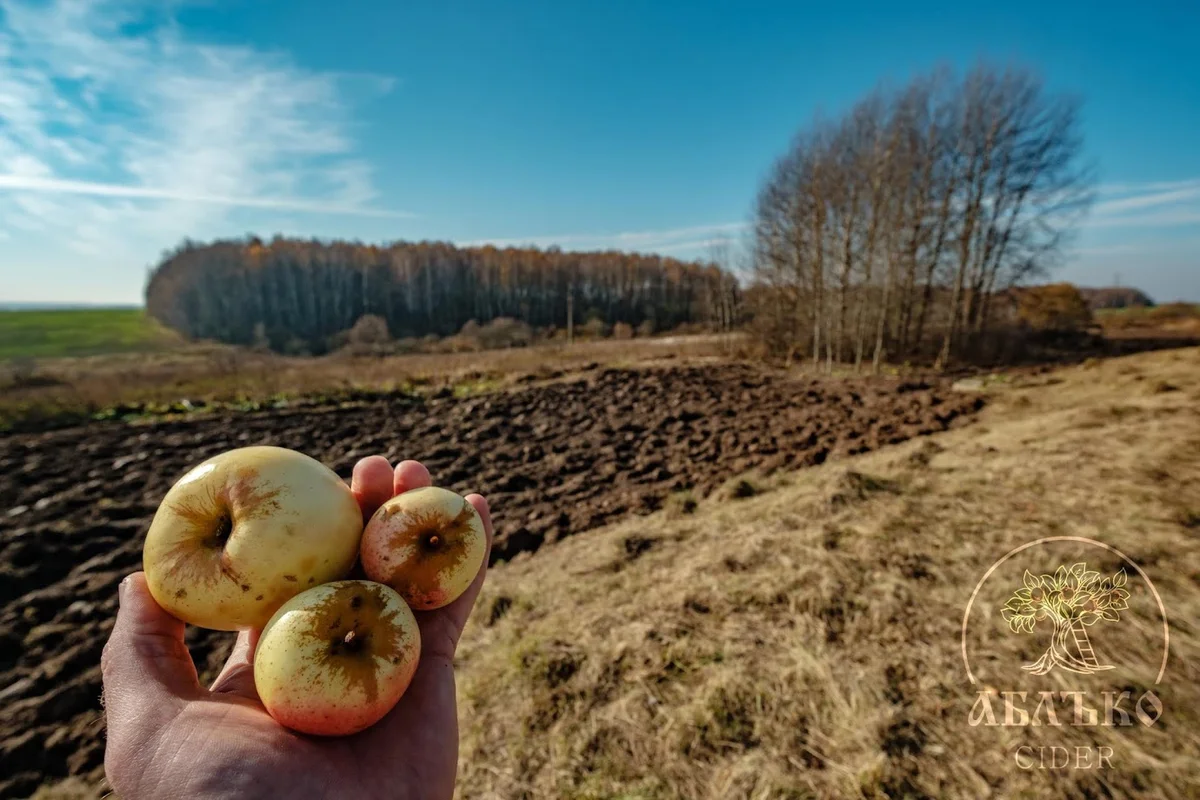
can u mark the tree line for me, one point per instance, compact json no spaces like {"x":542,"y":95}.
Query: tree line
{"x":296,"y":295}
{"x":894,"y":231}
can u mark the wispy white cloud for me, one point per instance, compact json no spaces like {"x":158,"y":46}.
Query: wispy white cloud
{"x":694,"y":245}
{"x":1148,"y":200}
{"x":1173,"y":204}
{"x":372,"y":81}
{"x":654,"y":237}
{"x":1141,"y":248}
{"x":1144,"y":234}
{"x":1179,"y":216}
{"x":1111,"y":189}
{"x":665,"y":240}
{"x":32,"y":183}
{"x":119,"y":135}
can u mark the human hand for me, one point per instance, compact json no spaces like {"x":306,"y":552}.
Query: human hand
{"x":170,"y":737}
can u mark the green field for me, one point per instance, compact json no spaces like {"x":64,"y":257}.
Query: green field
{"x":80,"y":332}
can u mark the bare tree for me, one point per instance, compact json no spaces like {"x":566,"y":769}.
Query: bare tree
{"x":899,"y":223}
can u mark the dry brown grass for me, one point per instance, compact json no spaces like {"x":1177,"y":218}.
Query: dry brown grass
{"x":804,"y":642}
{"x":68,"y":789}
{"x":1167,"y":318}
{"x":72,"y":386}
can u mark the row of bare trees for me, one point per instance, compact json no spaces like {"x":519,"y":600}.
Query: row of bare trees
{"x":296,"y":295}
{"x":893,"y":231}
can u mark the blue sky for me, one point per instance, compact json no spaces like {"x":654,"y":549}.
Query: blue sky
{"x":126,"y":126}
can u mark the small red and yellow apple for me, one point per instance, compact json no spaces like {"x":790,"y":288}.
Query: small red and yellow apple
{"x":428,"y":544}
{"x":335,"y":659}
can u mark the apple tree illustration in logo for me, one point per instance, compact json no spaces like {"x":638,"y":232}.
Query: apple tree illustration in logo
{"x":1071,"y":600}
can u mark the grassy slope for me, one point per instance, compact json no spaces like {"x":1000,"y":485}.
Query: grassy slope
{"x":1169,"y":317}
{"x":806,"y":642}
{"x":78,"y":332}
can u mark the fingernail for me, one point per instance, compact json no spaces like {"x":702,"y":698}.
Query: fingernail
{"x":121,"y":587}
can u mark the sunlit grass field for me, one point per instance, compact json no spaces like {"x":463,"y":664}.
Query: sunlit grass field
{"x":80,"y":332}
{"x":1166,"y":317}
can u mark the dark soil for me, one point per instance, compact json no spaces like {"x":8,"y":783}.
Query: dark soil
{"x":554,"y":460}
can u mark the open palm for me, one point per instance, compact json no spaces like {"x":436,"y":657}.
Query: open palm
{"x":170,"y":737}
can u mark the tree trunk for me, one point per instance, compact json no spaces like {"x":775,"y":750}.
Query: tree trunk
{"x":881,"y":326}
{"x":570,"y":317}
{"x":1066,"y":650}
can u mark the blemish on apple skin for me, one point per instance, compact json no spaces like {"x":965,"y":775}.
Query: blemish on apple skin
{"x":259,"y":597}
{"x":180,"y":594}
{"x":245,"y":587}
{"x":440,"y":544}
{"x":312,"y":580}
{"x":357,"y":665}
{"x":249,"y":500}
{"x":290,"y":578}
{"x":203,"y":565}
{"x":226,"y":566}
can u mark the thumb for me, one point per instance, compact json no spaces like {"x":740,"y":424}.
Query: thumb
{"x":238,"y":675}
{"x":145,"y":661}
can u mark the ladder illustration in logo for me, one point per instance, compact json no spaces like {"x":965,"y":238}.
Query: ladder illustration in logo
{"x":1084,"y":645}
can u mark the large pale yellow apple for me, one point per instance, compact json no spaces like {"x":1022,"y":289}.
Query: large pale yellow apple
{"x":335,"y":659}
{"x":428,"y":544}
{"x":244,"y":532}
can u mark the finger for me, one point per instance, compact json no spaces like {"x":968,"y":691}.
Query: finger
{"x":371,"y":483}
{"x":410,"y":475}
{"x":237,"y":676}
{"x":441,"y":629}
{"x":430,"y":697}
{"x":145,"y":663}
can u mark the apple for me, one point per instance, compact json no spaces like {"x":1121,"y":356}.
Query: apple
{"x":336,"y":658}
{"x":428,"y":544}
{"x":247,"y":530}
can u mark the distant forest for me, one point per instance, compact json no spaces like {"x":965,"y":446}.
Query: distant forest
{"x":298,"y":296}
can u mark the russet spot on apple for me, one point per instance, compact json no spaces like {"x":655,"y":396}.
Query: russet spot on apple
{"x":335,"y":659}
{"x":428,"y":544}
